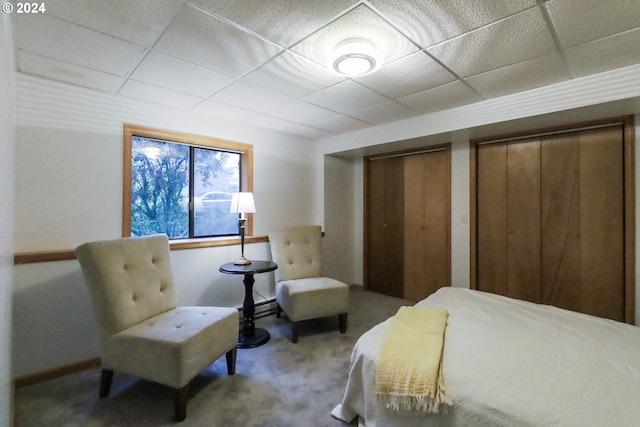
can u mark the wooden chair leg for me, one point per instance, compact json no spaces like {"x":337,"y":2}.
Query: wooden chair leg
{"x":180,"y":397}
{"x":231,"y":360}
{"x":294,"y":332}
{"x":105,"y":382}
{"x":342,"y":319}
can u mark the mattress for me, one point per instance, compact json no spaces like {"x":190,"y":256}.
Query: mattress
{"x":513,"y":363}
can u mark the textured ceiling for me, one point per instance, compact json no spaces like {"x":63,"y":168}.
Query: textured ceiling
{"x":263,"y":63}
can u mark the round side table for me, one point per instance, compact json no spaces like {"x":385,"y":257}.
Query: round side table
{"x":249,"y":335}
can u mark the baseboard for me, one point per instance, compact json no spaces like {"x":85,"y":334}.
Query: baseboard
{"x":57,"y":372}
{"x":265,"y":308}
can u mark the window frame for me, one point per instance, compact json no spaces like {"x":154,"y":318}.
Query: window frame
{"x":246,"y":175}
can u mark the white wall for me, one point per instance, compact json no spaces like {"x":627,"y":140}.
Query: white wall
{"x":340,"y":221}
{"x":7,"y":140}
{"x":68,"y":186}
{"x":460,"y":232}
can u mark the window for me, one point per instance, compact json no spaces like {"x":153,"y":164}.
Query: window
{"x":181,"y":185}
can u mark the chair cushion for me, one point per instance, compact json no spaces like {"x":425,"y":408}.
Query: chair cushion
{"x":314,"y":297}
{"x":173,"y":347}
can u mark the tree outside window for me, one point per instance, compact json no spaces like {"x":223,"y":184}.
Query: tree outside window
{"x":179,"y":188}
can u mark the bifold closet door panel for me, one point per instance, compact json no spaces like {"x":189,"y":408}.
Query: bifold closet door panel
{"x":427,"y":223}
{"x":492,"y":218}
{"x":560,"y":220}
{"x":551,"y":220}
{"x":491,"y":211}
{"x":437,"y":223}
{"x":523,"y":220}
{"x":416,"y":261}
{"x":385,"y":210}
{"x":602,"y":223}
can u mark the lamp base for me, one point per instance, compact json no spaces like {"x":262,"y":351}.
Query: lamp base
{"x":242,"y":261}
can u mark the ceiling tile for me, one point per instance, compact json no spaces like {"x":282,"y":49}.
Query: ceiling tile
{"x":340,"y":124}
{"x":361,"y":22}
{"x":139,"y":21}
{"x":273,"y":123}
{"x":345,"y":97}
{"x":159,"y":95}
{"x":53,"y":38}
{"x":519,"y":77}
{"x":518,"y":38}
{"x":604,"y":54}
{"x":202,"y":39}
{"x":581,"y":21}
{"x":309,"y":132}
{"x":441,"y":98}
{"x":386,"y":112}
{"x":162,"y":70}
{"x":40,"y":66}
{"x":299,"y":111}
{"x":293,"y":75}
{"x":254,"y":98}
{"x":224,"y":111}
{"x":280,"y":21}
{"x":411,"y":74}
{"x":427,"y":22}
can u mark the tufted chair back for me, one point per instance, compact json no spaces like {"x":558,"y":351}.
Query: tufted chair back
{"x":297,"y":251}
{"x":129,"y":279}
{"x":301,"y":290}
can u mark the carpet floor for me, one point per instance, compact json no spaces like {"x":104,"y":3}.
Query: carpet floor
{"x":278,"y":384}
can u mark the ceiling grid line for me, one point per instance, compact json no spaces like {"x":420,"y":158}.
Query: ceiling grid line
{"x":554,"y":34}
{"x":268,"y":64}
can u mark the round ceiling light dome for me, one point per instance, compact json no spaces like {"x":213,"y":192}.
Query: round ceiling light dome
{"x":356,"y":57}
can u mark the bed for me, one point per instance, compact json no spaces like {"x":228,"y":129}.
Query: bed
{"x":513,"y":363}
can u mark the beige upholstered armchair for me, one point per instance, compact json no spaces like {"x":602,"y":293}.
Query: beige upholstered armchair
{"x":142,"y":332}
{"x":301,"y":290}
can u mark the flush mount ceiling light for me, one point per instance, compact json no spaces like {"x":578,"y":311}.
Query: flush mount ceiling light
{"x":356,"y":57}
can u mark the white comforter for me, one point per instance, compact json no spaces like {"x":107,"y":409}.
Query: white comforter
{"x":513,"y":363}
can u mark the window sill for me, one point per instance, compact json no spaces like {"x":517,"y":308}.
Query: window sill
{"x":175,"y":245}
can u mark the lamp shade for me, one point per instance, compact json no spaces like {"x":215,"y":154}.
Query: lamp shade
{"x":242,"y":203}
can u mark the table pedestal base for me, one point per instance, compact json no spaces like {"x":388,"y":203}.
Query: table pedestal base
{"x":246,"y":339}
{"x":250,"y":336}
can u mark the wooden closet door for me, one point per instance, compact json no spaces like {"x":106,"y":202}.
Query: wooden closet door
{"x":427,"y":223}
{"x":491,"y":211}
{"x":550,"y":220}
{"x":408,"y":223}
{"x":602,"y":223}
{"x":523,"y":220}
{"x":560,"y":220}
{"x":384,"y":258}
{"x":508,"y":219}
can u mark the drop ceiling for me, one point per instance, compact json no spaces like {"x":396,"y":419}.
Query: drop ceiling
{"x":264,"y":63}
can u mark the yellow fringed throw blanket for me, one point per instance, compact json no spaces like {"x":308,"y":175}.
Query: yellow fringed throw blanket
{"x":409,"y":369}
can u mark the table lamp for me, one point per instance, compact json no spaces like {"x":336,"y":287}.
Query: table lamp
{"x":242,"y":203}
